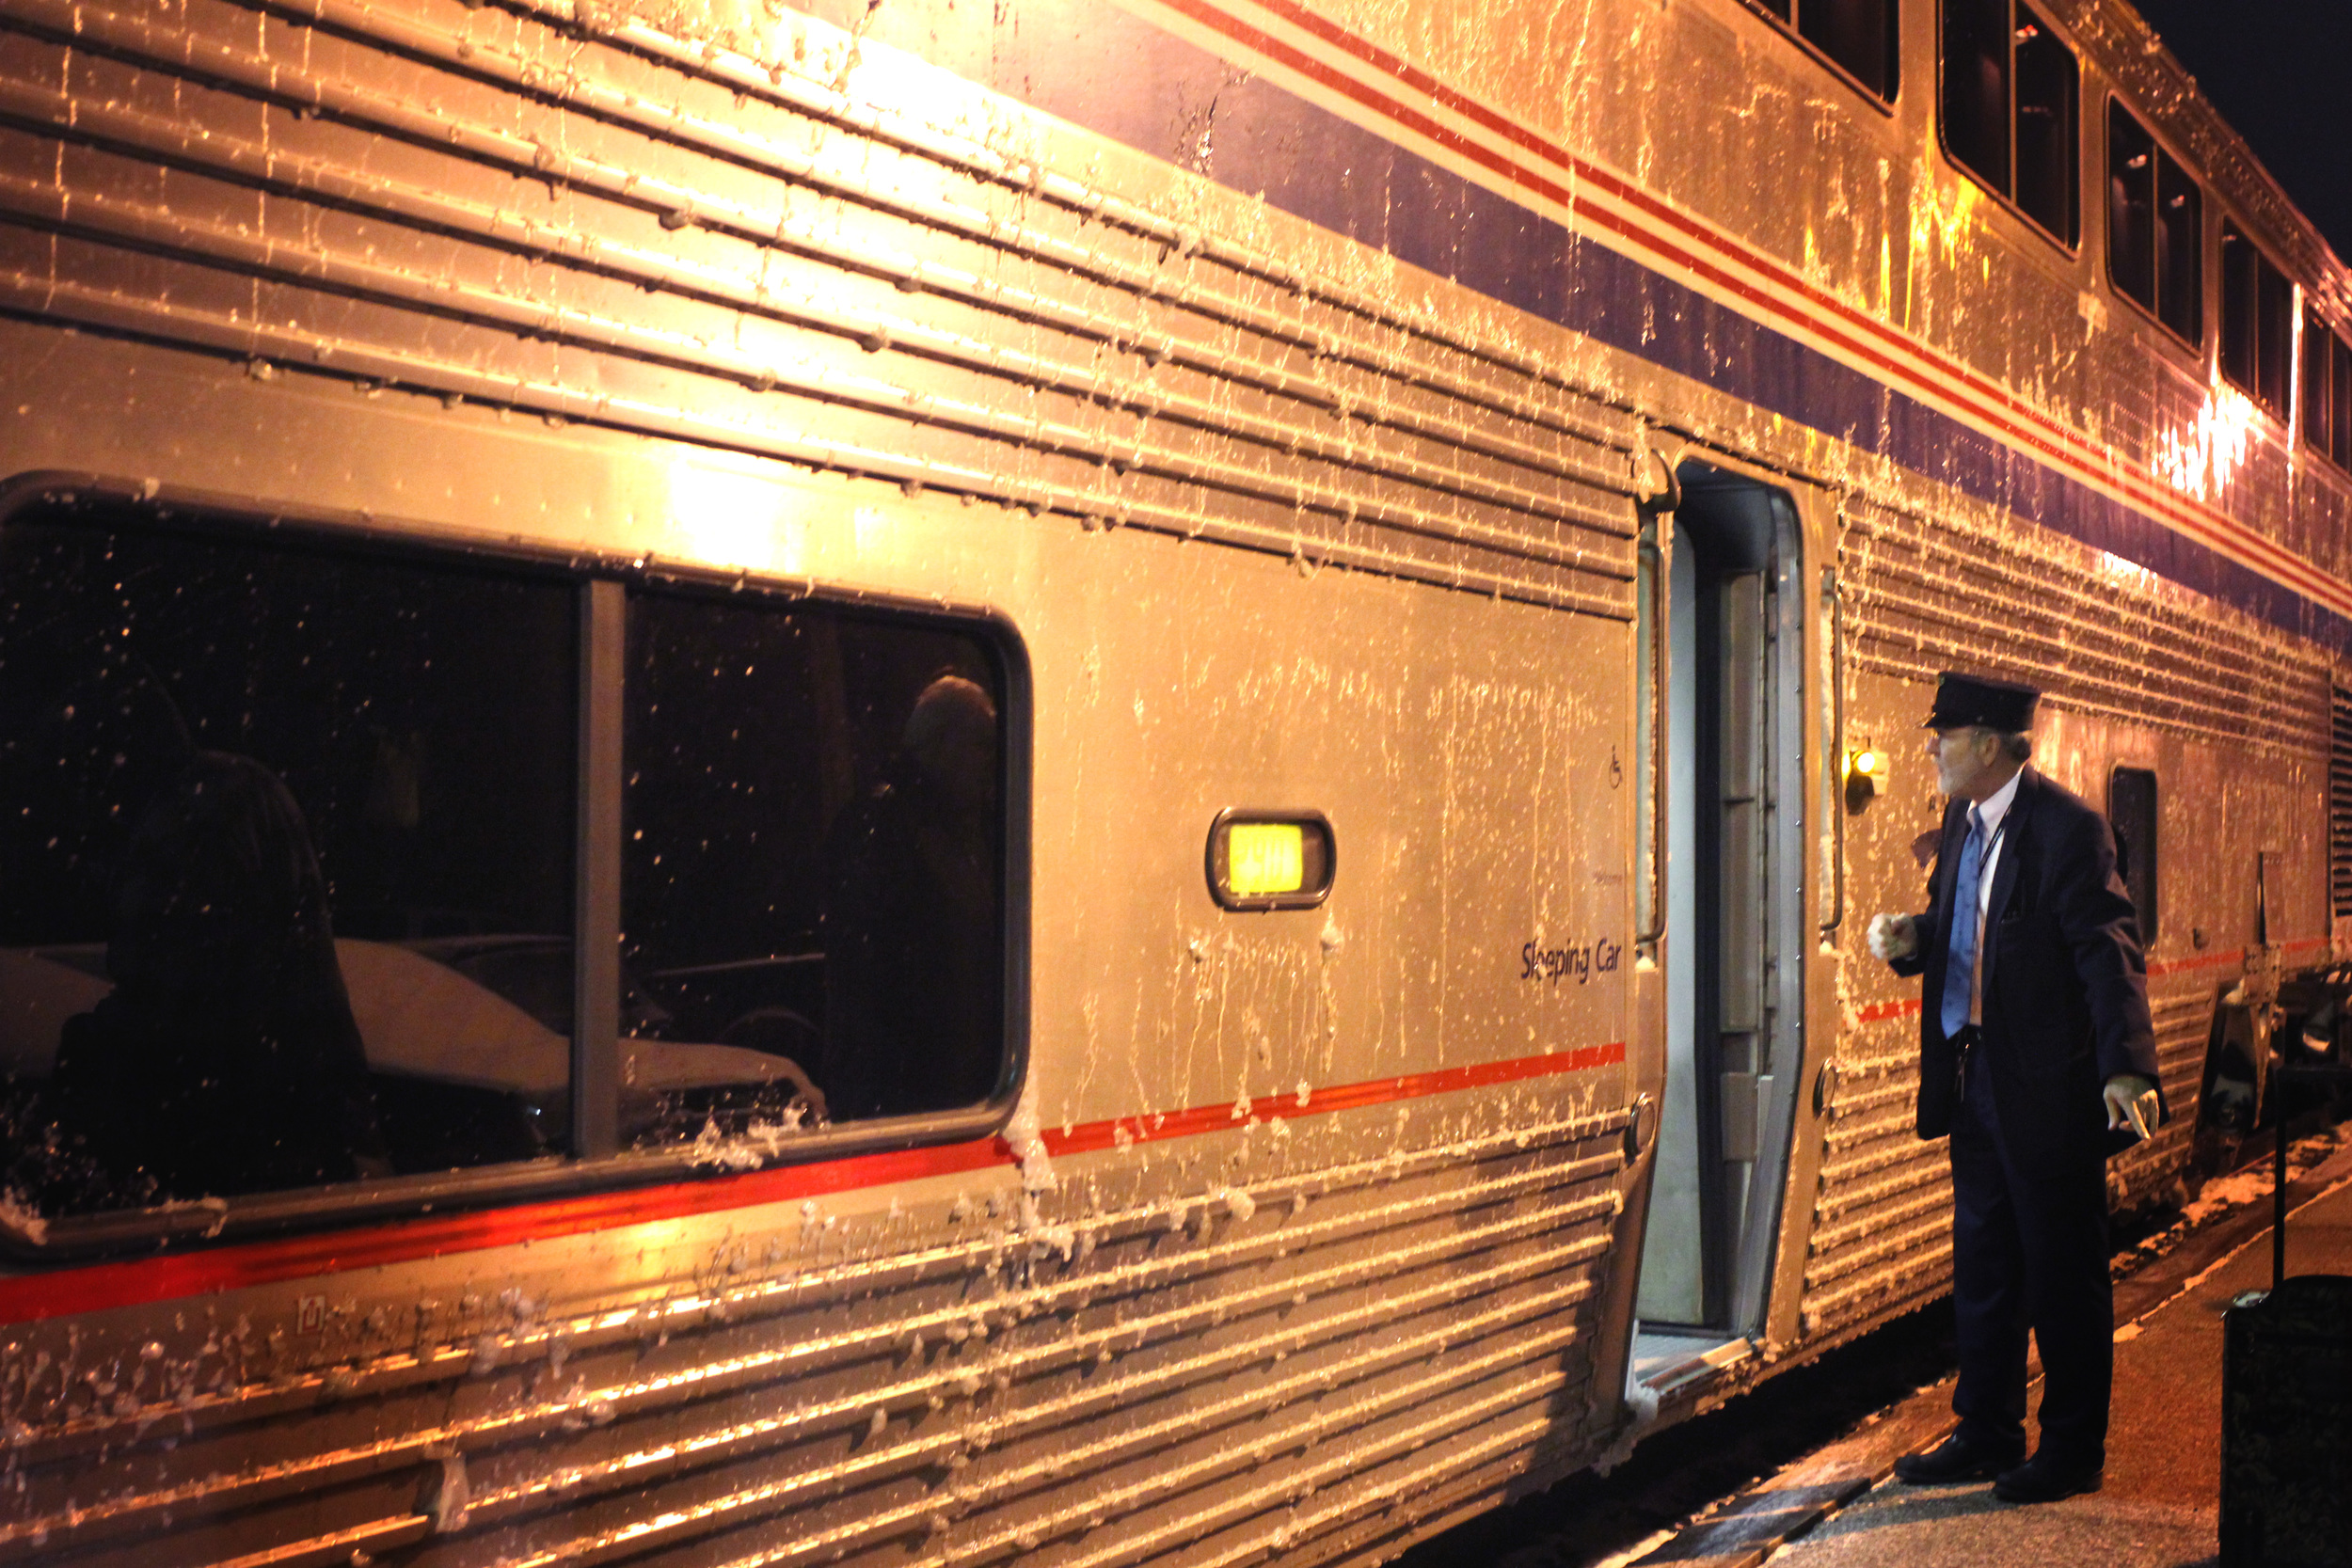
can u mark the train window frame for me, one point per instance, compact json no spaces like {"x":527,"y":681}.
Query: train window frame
{"x":2340,"y":401}
{"x":1791,"y":27}
{"x":2324,"y":397}
{"x":592,"y":1165}
{"x":2143,"y":859}
{"x":2004,"y":194}
{"x":889,"y":790}
{"x":2243,"y":332}
{"x":2190,"y":336}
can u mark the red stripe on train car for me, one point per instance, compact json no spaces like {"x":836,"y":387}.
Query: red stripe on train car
{"x":169,"y":1277}
{"x":1786,"y":296}
{"x":1878,"y":1012}
{"x":2234,"y":955}
{"x":2184,"y":966}
{"x":1088,"y":1136}
{"x":66,"y":1291}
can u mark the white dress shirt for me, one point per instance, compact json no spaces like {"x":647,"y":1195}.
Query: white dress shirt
{"x":1990,"y":816}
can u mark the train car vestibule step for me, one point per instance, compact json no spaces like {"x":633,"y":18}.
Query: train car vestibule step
{"x":1664,"y":1362}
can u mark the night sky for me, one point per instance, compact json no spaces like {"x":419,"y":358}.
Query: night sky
{"x":2280,"y":72}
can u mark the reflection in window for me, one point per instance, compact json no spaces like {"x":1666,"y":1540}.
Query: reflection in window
{"x":2156,"y":228}
{"x":2339,"y":405}
{"x":2010,"y":109}
{"x":812,"y":887}
{"x":265,"y":810}
{"x":1858,"y":35}
{"x":2257,"y":322}
{"x":2327,"y":391}
{"x":2049,"y":135}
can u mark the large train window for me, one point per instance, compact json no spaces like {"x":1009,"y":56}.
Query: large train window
{"x":339,"y":877}
{"x":2156,"y":228}
{"x":2327,"y":391}
{"x":812,"y":879}
{"x":286,"y":844}
{"x":2132,"y":813}
{"x":2010,"y":109}
{"x":1860,"y":38}
{"x":2257,"y":322}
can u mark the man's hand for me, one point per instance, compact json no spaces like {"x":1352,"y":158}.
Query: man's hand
{"x":1893,"y":936}
{"x":2131,"y":1103}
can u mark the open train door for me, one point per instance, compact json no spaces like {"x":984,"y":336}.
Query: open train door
{"x":1739,"y":741}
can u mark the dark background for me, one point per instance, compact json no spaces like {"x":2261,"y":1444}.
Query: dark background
{"x":2280,"y":73}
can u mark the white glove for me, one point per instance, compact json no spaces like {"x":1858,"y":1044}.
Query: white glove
{"x":2131,"y":1103}
{"x":1893,"y":936}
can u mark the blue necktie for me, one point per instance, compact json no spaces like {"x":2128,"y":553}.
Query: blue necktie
{"x":1960,"y":959}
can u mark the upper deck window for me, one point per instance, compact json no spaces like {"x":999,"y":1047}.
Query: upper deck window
{"x":2257,"y":322}
{"x":2156,"y":228}
{"x":1859,"y":37}
{"x":2011,"y":111}
{"x":2327,"y":391}
{"x":303,"y":838}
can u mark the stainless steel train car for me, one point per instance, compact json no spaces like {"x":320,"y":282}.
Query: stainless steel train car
{"x":1084,"y":780}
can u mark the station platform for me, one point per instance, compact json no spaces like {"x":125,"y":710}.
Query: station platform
{"x":1841,"y":1507}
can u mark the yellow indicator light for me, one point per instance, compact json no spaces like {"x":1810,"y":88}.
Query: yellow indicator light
{"x":1263,"y":858}
{"x":1865,"y":762}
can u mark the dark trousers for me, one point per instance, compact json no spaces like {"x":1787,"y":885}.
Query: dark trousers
{"x":2030,"y":1251}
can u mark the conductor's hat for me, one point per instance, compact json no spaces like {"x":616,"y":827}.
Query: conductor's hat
{"x":1965,"y":701}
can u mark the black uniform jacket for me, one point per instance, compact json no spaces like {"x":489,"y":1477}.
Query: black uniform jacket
{"x":2065,"y":981}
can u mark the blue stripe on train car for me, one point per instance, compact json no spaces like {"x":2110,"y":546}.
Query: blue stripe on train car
{"x":1184,"y":105}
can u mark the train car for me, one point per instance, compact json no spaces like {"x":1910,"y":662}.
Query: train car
{"x":1084,"y":780}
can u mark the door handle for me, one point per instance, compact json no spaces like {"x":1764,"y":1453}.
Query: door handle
{"x":1651,"y":590}
{"x":1833,"y":749}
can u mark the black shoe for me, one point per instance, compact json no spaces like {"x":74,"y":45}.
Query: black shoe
{"x":1958,"y":1457}
{"x":2046,"y":1480}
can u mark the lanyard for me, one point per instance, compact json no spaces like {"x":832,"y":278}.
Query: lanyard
{"x":1985,"y":855}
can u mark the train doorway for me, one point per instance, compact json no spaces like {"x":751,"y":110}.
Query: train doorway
{"x":1732,"y":881}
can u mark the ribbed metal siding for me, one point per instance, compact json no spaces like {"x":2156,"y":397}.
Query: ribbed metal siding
{"x":569,"y":212}
{"x":1881,"y":1229}
{"x":2119,"y":643}
{"x":2182,"y":1009}
{"x":1095,"y":1379}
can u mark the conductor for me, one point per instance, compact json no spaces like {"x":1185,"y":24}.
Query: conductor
{"x":2037,"y":1056}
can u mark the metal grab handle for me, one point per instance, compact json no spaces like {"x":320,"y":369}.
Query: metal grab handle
{"x":1650,"y":587}
{"x":1834,"y":751}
